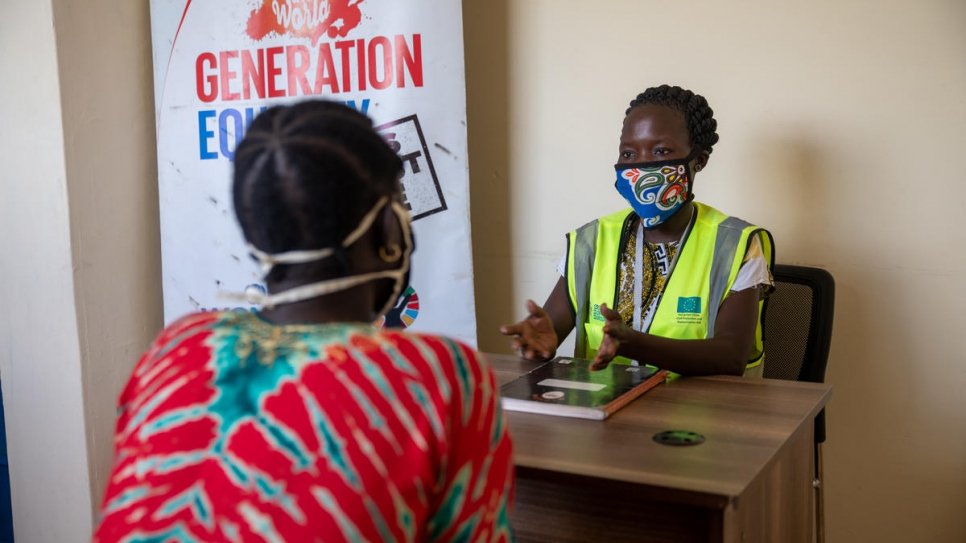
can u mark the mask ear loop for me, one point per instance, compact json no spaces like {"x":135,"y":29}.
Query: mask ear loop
{"x":406,"y":224}
{"x":329,"y":286}
{"x":268,"y":261}
{"x":314,"y":290}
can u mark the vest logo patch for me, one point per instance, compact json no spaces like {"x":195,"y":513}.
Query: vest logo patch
{"x":689,"y":304}
{"x":689,"y":309}
{"x":597,"y":316}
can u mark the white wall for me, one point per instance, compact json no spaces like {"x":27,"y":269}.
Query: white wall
{"x":109,"y":145}
{"x":80,"y":261}
{"x":842,"y":129}
{"x":40,"y":355}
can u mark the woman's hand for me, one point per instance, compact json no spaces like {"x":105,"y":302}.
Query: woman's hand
{"x":616,"y":333}
{"x":534,"y":338}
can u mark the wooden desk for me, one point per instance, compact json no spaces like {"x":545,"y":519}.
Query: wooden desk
{"x":751,"y":480}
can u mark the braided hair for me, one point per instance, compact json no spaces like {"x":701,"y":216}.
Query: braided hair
{"x":696,"y":111}
{"x":305,"y":175}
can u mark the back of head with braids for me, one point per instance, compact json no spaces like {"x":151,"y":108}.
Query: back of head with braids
{"x":304,"y":177}
{"x":697,"y":112}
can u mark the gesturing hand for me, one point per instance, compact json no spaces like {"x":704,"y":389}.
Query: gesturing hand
{"x":615,"y":333}
{"x":534,"y":338}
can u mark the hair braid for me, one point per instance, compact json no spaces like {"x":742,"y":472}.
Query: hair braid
{"x":698,"y":114}
{"x":305,"y":175}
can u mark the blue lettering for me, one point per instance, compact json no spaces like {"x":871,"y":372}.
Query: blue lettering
{"x":231,"y":129}
{"x":365,"y":106}
{"x":237,"y":131}
{"x":204,"y":134}
{"x":232,"y":125}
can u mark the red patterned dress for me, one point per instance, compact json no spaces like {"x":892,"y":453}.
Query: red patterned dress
{"x":235,"y":429}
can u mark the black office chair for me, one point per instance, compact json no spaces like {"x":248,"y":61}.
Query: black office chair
{"x":797,"y":334}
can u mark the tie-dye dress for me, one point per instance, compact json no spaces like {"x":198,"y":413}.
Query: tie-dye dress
{"x":235,"y":429}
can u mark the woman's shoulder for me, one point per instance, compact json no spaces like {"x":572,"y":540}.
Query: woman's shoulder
{"x":456,"y":357}
{"x":193,"y":321}
{"x":183,"y":327}
{"x":712,"y":215}
{"x":616,"y":217}
{"x":178,"y":345}
{"x":191,"y":333}
{"x":443,"y":347}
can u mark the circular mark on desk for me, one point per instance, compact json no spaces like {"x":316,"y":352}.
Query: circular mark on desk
{"x":678,"y":438}
{"x":552,"y":395}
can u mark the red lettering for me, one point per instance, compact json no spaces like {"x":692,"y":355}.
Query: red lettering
{"x":413,"y":61}
{"x":343,"y":47}
{"x":374,"y":79}
{"x":325,"y":71}
{"x":273,"y":71}
{"x":207,"y":84}
{"x":227,"y":75}
{"x":252,"y":75}
{"x":297,"y":69}
{"x":361,"y":57}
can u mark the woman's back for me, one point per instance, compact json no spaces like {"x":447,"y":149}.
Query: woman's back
{"x":233,"y":428}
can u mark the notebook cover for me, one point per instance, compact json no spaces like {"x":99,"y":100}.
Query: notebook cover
{"x":567,"y":387}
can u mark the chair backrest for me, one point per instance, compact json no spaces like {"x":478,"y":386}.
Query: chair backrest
{"x":797,"y":330}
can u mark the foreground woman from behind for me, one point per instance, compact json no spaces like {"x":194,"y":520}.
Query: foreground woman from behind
{"x":303,"y":422}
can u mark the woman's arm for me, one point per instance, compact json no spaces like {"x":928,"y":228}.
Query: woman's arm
{"x":726,"y":353}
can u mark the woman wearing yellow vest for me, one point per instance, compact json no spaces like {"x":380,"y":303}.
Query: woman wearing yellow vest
{"x":670,"y":282}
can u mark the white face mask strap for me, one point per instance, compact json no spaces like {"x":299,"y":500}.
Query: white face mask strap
{"x":329,"y":286}
{"x":365,"y":223}
{"x":321,"y":288}
{"x":268,"y":261}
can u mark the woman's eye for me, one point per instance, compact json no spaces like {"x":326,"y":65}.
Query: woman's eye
{"x":627,"y":154}
{"x":662,"y":151}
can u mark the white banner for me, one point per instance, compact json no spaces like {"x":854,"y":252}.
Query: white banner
{"x":218,"y":64}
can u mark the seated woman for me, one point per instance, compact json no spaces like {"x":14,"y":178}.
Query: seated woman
{"x":670,"y":281}
{"x":302,"y":421}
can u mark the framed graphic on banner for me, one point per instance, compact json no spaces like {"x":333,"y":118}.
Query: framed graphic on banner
{"x":217,"y":65}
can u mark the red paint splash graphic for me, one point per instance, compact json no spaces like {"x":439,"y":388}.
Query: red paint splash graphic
{"x":304,"y":18}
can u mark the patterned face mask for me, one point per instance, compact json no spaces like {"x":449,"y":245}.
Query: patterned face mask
{"x":656,"y":190}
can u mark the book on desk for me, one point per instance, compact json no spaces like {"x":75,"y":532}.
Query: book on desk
{"x":567,"y":387}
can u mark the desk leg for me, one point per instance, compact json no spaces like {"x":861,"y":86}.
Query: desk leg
{"x":819,"y":496}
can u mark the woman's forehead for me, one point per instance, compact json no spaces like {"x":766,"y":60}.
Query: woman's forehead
{"x":655,"y":121}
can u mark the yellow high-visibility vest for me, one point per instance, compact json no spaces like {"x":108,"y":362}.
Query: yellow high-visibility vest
{"x":707,"y":264}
